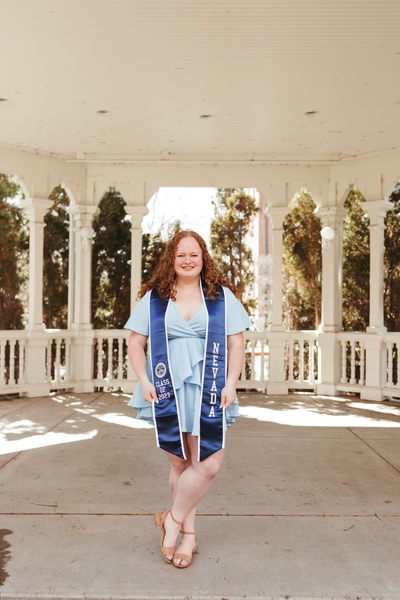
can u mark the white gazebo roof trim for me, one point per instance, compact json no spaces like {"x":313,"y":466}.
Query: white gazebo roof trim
{"x":233,"y":80}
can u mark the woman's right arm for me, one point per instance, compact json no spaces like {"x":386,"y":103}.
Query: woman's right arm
{"x":137,"y":357}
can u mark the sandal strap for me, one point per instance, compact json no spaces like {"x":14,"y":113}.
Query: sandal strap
{"x":188,"y":532}
{"x":181,"y":556}
{"x":173,"y":518}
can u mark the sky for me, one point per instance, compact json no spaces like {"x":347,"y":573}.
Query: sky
{"x":192,"y":206}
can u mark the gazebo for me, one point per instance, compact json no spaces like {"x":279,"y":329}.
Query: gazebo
{"x":239,"y":93}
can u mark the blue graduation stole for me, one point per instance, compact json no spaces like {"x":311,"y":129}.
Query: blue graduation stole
{"x":166,"y":410}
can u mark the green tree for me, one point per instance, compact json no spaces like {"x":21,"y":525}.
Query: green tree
{"x":55,"y":262}
{"x":302,"y":264}
{"x":13,"y":256}
{"x":234,"y":212}
{"x":153,"y":247}
{"x":111,"y":261}
{"x":392,"y":263}
{"x":355,"y":302}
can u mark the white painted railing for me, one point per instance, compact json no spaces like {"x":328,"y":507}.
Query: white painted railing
{"x":301,"y":359}
{"x":352,"y":364}
{"x":110,"y":358}
{"x":109,"y":370}
{"x":12,"y":362}
{"x":58,"y":359}
{"x":255,"y":372}
{"x":392,"y":349}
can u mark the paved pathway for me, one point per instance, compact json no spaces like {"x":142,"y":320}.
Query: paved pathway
{"x":307,"y":504}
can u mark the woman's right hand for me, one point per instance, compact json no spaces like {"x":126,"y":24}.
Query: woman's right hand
{"x":137,"y":357}
{"x":149,"y":392}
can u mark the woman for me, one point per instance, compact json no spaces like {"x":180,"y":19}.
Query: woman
{"x":187,"y":387}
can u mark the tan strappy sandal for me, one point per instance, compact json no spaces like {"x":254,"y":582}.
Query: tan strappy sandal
{"x":159,"y":519}
{"x":184,"y":557}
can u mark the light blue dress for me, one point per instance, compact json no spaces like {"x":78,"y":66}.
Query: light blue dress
{"x":186,"y":340}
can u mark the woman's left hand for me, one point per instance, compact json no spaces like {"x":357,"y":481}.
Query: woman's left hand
{"x":228,"y":396}
{"x":235,"y":362}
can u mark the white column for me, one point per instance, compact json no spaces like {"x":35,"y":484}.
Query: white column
{"x":332,"y":258}
{"x":36,"y":209}
{"x":329,"y":350}
{"x":276,"y":337}
{"x":277,"y":215}
{"x":376,"y":211}
{"x":36,"y":345}
{"x":71,"y":269}
{"x":136,"y":213}
{"x":82,"y":344}
{"x":83,"y":235}
{"x":375,"y":359}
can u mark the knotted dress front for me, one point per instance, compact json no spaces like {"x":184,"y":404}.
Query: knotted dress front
{"x":186,"y":341}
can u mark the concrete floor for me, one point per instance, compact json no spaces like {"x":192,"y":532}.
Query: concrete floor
{"x":307,"y":504}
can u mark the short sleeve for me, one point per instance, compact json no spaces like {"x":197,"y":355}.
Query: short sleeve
{"x":237,"y":317}
{"x":139,"y":319}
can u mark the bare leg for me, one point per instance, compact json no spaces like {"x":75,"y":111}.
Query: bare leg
{"x":189,"y":488}
{"x":178,"y":466}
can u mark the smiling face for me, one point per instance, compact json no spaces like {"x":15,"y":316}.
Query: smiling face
{"x":188,"y":259}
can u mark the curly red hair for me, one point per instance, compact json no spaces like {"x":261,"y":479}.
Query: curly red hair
{"x":163,"y":279}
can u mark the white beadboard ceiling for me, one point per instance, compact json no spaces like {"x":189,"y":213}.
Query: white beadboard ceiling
{"x":191,"y":80}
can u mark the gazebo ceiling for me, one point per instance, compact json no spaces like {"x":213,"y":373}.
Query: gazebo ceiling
{"x":123,"y":80}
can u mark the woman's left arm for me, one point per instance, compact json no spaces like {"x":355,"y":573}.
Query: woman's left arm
{"x":235,"y":344}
